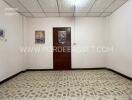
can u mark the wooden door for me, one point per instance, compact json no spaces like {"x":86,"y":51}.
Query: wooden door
{"x":62,"y":48}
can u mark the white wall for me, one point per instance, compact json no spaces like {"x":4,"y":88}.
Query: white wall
{"x":89,"y":33}
{"x":85,"y":32}
{"x":120,"y":36}
{"x":11,"y":60}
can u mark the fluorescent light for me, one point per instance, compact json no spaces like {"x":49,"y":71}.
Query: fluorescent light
{"x":78,"y":3}
{"x":81,"y":3}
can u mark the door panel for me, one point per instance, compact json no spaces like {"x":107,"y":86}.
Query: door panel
{"x":62,"y":48}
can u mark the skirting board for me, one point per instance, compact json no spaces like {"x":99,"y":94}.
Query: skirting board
{"x":5,"y":80}
{"x":101,"y":68}
{"x":70,"y":69}
{"x":125,"y":76}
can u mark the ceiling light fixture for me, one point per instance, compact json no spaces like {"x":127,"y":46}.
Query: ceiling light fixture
{"x":81,"y":3}
{"x":77,"y":3}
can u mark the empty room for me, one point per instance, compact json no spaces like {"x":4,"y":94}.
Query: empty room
{"x":65,"y":49}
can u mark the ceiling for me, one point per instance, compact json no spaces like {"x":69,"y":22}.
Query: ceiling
{"x":65,"y":8}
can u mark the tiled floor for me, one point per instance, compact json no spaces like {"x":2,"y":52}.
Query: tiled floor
{"x":67,"y":85}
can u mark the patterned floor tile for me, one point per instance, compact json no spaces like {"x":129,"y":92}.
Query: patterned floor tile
{"x":67,"y":85}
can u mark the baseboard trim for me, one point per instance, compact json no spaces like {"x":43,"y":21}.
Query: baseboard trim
{"x":11,"y":77}
{"x":39,"y":70}
{"x":125,"y":76}
{"x":65,"y":70}
{"x":101,"y":68}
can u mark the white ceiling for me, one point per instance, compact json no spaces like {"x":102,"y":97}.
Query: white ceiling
{"x":68,"y":8}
